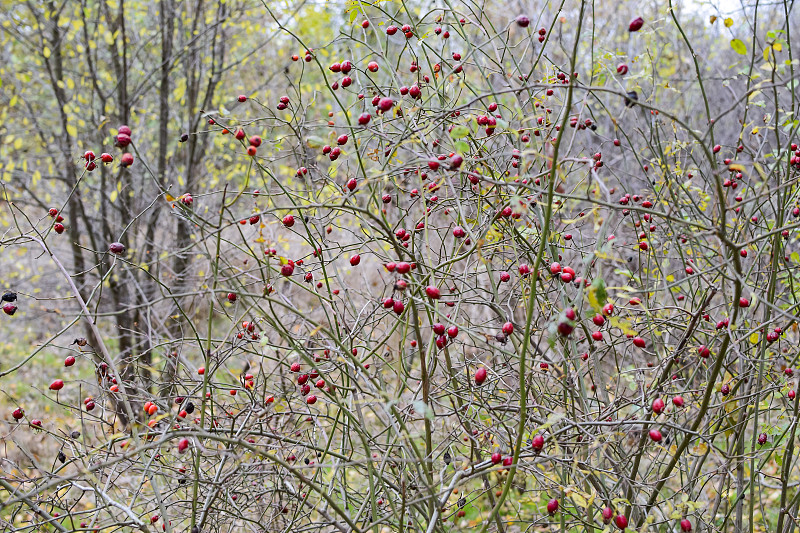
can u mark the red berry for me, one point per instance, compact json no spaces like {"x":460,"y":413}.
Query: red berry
{"x":480,"y":376}
{"x":116,"y":248}
{"x":69,"y":361}
{"x":552,"y":506}
{"x":635,"y":25}
{"x":355,"y":260}
{"x":565,"y":329}
{"x":122,"y":140}
{"x":433,"y":292}
{"x":57,"y":385}
{"x":385,"y":104}
{"x":658,"y":406}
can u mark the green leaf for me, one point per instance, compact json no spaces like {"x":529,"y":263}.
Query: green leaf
{"x":459,"y":132}
{"x":598,"y":294}
{"x":739,"y":47}
{"x":315,"y":142}
{"x":353,"y":15}
{"x":461,"y":147}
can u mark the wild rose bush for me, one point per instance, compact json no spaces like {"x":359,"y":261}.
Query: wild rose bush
{"x":477,"y":274}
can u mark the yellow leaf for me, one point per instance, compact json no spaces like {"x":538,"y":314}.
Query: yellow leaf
{"x":579,"y":500}
{"x":728,"y":22}
{"x":777,"y":47}
{"x":46,"y":52}
{"x":754,"y":338}
{"x":624,"y":325}
{"x":72,"y":131}
{"x":700,"y":449}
